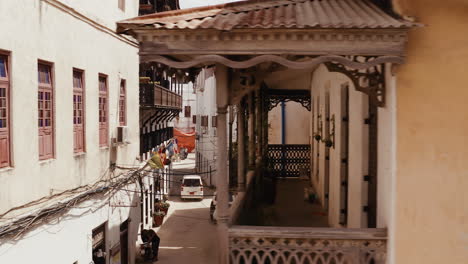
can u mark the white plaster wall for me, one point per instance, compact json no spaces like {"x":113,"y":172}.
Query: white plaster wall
{"x":52,"y":34}
{"x":297,"y":124}
{"x":48,"y":33}
{"x":189,"y":98}
{"x":206,"y":105}
{"x":68,"y":238}
{"x":321,"y":81}
{"x":358,"y":158}
{"x":274,"y":125}
{"x":105,"y":12}
{"x":387,"y":163}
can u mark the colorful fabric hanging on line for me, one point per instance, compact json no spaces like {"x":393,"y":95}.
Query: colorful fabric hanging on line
{"x":155,"y":162}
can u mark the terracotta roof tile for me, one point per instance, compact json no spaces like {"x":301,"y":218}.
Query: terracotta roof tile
{"x":267,"y":14}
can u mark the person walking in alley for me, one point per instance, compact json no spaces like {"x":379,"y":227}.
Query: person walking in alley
{"x":149,"y":235}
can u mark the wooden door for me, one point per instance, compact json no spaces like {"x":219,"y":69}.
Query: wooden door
{"x":344,"y":140}
{"x":327,"y":151}
{"x":124,"y":243}
{"x":372,"y":170}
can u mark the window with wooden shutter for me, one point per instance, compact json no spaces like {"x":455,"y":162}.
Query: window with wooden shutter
{"x":187,"y":111}
{"x":45,"y":111}
{"x":214,"y":121}
{"x":204,"y":121}
{"x":103,"y":111}
{"x":123,"y":104}
{"x":4,"y":112}
{"x":194,"y":119}
{"x":78,"y":112}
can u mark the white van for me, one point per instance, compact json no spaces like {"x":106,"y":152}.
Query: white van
{"x":192,"y":187}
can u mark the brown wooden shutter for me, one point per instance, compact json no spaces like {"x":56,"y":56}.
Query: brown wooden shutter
{"x":103,"y":111}
{"x":214,"y":121}
{"x":187,"y":111}
{"x":78,"y":112}
{"x":4,"y":113}
{"x":46,"y":111}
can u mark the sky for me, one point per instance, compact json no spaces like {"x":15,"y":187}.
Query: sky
{"x":195,"y":3}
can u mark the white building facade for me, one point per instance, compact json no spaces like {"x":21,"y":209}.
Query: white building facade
{"x":205,"y":128}
{"x":70,"y":120}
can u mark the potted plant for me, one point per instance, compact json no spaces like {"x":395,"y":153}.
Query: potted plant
{"x":164,"y":206}
{"x":158,"y":218}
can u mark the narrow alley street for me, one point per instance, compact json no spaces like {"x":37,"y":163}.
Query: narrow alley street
{"x":187,"y":234}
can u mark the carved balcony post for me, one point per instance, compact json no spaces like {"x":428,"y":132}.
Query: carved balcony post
{"x":221,"y":163}
{"x":241,"y":147}
{"x":251,"y":129}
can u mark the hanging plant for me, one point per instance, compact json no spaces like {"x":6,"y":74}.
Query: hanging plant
{"x":328,"y":143}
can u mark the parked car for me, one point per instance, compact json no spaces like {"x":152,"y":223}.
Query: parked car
{"x":213,"y":215}
{"x":192,"y":187}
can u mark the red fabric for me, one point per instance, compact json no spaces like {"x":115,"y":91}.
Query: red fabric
{"x":186,"y":140}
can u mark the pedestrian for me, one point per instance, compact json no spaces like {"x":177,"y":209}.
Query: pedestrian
{"x":149,"y":235}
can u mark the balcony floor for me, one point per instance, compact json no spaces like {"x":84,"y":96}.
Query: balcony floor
{"x":290,"y":208}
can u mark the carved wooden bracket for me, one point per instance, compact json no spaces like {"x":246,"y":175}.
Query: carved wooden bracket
{"x":370,"y":81}
{"x":275,"y":97}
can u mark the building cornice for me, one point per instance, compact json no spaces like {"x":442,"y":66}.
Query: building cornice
{"x":274,"y":41}
{"x":72,"y":12}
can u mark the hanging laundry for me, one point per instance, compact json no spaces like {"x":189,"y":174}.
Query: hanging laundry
{"x":155,"y":162}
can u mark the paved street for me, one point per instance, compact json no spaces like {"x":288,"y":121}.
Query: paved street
{"x":187,"y":235}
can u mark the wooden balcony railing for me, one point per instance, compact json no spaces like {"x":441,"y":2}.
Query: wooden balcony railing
{"x":300,"y":245}
{"x":156,"y":95}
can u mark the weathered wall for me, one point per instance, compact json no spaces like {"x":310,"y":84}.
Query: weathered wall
{"x":432,"y":128}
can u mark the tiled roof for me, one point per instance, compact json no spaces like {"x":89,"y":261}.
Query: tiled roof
{"x":271,"y":14}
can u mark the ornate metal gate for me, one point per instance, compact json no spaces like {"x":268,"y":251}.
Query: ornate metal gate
{"x":288,"y":160}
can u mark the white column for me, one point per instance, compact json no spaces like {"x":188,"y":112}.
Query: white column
{"x":222,"y":207}
{"x":240,"y":148}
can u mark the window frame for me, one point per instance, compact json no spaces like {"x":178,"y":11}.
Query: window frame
{"x":123,"y":97}
{"x":103,"y":143}
{"x":47,"y":88}
{"x":6,"y":132}
{"x":79,"y":91}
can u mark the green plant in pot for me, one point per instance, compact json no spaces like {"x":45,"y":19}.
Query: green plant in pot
{"x":164,"y":206}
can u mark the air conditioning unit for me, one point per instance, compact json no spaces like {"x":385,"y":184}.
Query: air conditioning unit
{"x":121,"y":134}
